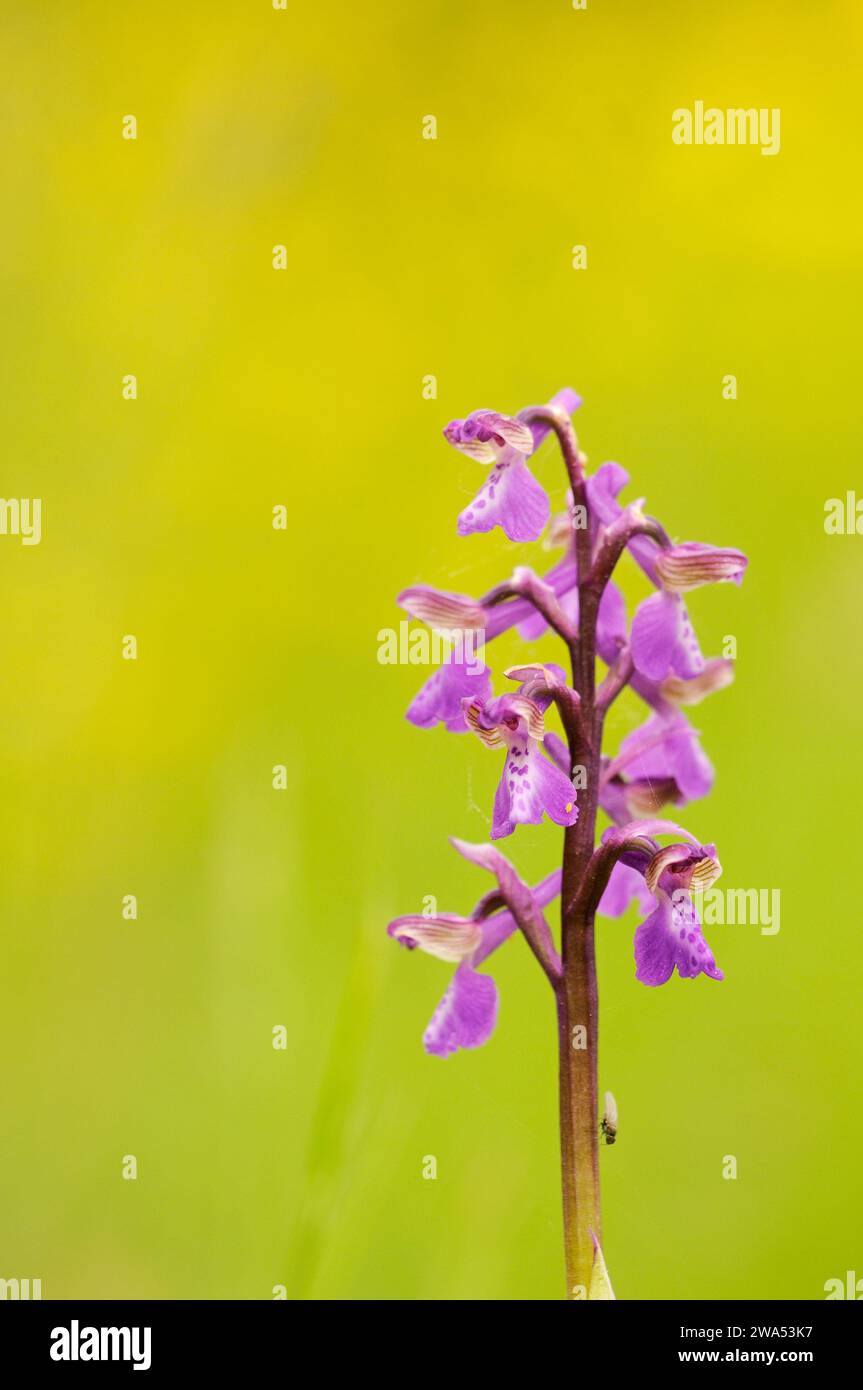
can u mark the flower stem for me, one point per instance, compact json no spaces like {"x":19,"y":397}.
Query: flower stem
{"x":579,"y":1133}
{"x":576,"y":991}
{"x":578,"y":1014}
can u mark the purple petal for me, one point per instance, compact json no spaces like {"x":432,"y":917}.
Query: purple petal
{"x":555,"y":791}
{"x":671,"y":936}
{"x":466,"y":1015}
{"x":510,"y":498}
{"x":439,"y":699}
{"x":625,"y":885}
{"x":663,"y":639}
{"x":667,"y":747}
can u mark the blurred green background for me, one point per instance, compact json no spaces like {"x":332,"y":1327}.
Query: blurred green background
{"x":303,"y":387}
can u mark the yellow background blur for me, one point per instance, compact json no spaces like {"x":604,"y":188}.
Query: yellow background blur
{"x":406,"y":257}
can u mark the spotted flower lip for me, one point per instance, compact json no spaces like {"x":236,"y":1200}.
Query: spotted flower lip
{"x":690,"y":565}
{"x":467,"y":1013}
{"x":671,"y":938}
{"x":530,"y":785}
{"x":510,"y":498}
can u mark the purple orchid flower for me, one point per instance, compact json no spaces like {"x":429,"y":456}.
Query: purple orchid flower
{"x":671,"y":937}
{"x":510,"y":497}
{"x":659,"y":763}
{"x":662,"y":879}
{"x":530,"y":786}
{"x":467,"y":1013}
